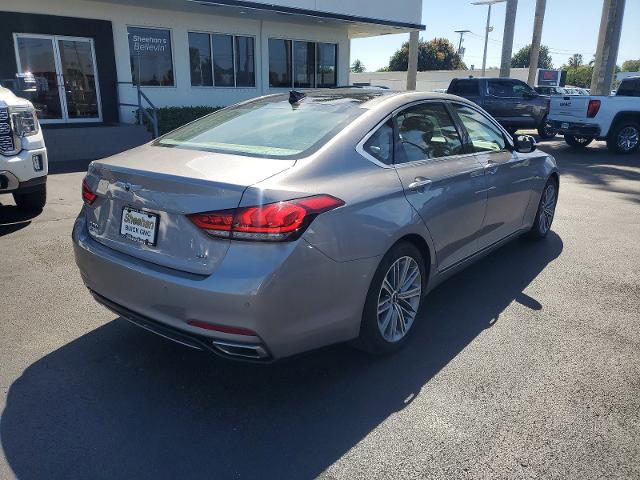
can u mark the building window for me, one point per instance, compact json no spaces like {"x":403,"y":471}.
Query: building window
{"x":222,"y":60}
{"x":304,"y":64}
{"x":151,"y":58}
{"x":200,"y":60}
{"x":327,"y":65}
{"x":245,"y":61}
{"x":295,"y":64}
{"x":280,"y":63}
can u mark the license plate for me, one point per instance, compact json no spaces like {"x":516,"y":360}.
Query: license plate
{"x":564,"y":125}
{"x":139,"y":226}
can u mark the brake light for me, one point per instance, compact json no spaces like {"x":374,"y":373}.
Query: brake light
{"x":593,"y":108}
{"x":87,"y":195}
{"x":280,"y":221}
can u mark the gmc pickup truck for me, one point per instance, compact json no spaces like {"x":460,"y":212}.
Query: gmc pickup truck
{"x":615,"y":119}
{"x":23,"y":155}
{"x":513,"y":103}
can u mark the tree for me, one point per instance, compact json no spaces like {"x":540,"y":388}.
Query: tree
{"x":357,"y":66}
{"x":631,"y":66}
{"x":521,"y":58}
{"x":436,"y":54}
{"x":575,"y":61}
{"x":579,"y":76}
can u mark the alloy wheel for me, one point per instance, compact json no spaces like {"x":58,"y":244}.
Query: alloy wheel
{"x":628,"y":138}
{"x":399,"y":299}
{"x":547,"y":208}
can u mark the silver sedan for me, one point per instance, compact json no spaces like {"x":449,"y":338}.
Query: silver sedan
{"x":294,"y":221}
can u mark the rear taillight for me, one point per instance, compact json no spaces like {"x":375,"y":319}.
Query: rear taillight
{"x":87,"y":195}
{"x":593,"y":108}
{"x":281,"y":221}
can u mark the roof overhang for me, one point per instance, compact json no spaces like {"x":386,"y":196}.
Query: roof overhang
{"x":357,"y":26}
{"x":311,"y":14}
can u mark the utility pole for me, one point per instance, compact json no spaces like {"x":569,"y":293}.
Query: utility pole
{"x":534,"y":52}
{"x":608,"y":43}
{"x":462,"y":32}
{"x":507,"y":39}
{"x":412,"y":69}
{"x":489,"y":3}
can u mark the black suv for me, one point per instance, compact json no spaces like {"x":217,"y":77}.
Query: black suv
{"x":511,"y":102}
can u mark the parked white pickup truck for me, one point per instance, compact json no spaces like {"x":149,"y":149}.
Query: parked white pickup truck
{"x":23,"y":155}
{"x":615,"y":119}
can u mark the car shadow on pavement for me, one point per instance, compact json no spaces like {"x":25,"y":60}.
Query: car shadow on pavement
{"x":119,"y":402}
{"x":597,"y":166}
{"x":13,"y":219}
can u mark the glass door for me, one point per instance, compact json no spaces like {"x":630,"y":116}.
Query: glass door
{"x":66,"y":76}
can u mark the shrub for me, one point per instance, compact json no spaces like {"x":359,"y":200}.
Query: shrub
{"x":170,"y":118}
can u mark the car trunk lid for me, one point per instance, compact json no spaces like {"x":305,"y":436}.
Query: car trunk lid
{"x":156,"y":187}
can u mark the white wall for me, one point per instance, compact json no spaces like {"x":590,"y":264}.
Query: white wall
{"x":428,"y":81}
{"x":180,"y":23}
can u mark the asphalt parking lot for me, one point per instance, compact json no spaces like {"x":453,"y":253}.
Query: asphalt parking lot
{"x":527,"y":365}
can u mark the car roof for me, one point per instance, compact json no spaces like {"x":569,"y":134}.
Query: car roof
{"x":368,"y":98}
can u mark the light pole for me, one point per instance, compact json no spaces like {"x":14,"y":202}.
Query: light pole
{"x":489,"y":3}
{"x":461,"y":32}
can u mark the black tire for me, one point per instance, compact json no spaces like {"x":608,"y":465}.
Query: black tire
{"x":33,"y":201}
{"x":546,"y":131}
{"x":538,"y":229}
{"x":627,"y":128}
{"x":577,"y":141}
{"x":371,"y":338}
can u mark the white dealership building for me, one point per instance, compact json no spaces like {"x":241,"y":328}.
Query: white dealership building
{"x":87,"y":56}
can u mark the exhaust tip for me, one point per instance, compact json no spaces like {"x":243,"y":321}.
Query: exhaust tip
{"x":243,"y":350}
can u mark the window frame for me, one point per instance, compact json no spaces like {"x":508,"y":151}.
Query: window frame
{"x":234,"y":59}
{"x":173,"y":58}
{"x":293,"y":63}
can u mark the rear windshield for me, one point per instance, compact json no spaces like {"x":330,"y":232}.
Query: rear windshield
{"x":269,"y":127}
{"x":464,"y":87}
{"x":629,"y":88}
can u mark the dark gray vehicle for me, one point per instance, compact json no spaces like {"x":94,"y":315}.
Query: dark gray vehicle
{"x":290,"y":222}
{"x":513,"y":103}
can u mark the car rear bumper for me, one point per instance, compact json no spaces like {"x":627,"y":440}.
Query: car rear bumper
{"x":577,"y":129}
{"x":296,"y":302}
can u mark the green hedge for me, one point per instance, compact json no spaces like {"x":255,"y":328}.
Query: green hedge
{"x":170,"y":118}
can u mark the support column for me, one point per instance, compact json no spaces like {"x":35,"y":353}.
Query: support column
{"x":507,"y":39}
{"x":412,"y":70}
{"x":608,"y":43}
{"x":534,"y":53}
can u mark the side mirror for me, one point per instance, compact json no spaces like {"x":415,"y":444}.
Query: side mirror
{"x":530,"y":95}
{"x":524,"y":143}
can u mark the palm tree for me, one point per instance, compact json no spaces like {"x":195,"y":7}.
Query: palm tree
{"x":575,"y":61}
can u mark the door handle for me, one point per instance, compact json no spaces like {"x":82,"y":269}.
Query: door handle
{"x":419,"y":183}
{"x":491,"y":168}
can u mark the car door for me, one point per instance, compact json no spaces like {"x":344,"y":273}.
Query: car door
{"x":441,"y":180}
{"x":510,"y":103}
{"x":507,"y":175}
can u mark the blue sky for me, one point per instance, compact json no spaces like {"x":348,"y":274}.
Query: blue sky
{"x":570,"y":26}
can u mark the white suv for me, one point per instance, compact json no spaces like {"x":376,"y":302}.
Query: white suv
{"x":23,"y":155}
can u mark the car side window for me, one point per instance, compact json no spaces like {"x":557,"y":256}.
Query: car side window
{"x":425,"y":131}
{"x":483,"y":134}
{"x":380,"y":144}
{"x":500,"y":88}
